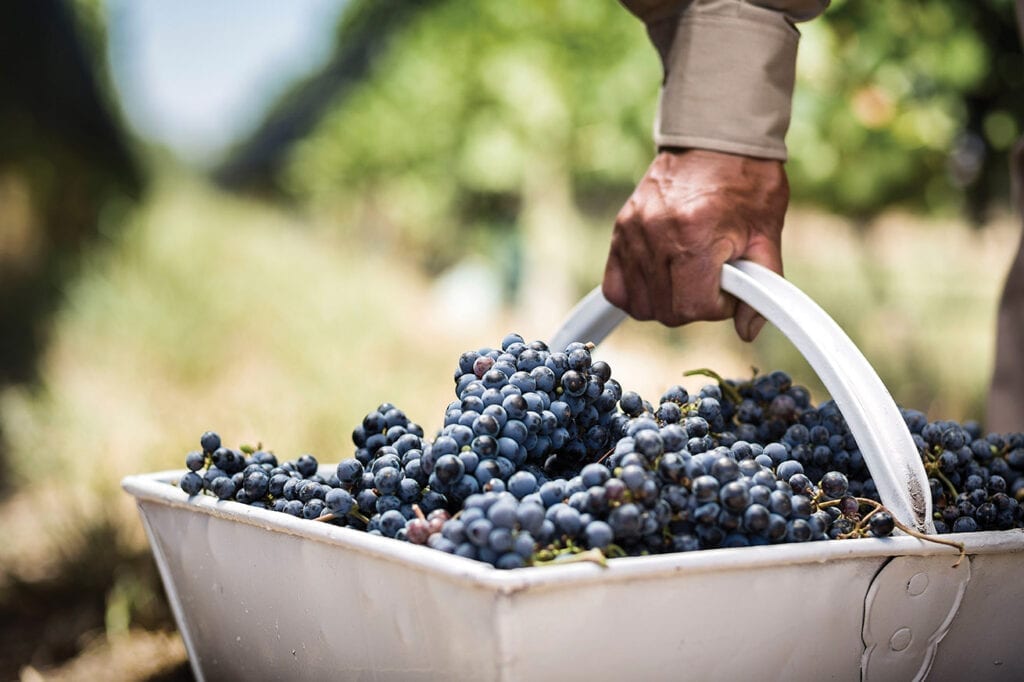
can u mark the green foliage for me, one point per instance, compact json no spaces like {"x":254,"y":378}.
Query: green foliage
{"x":909,"y":103}
{"x":905,"y":103}
{"x":472,"y":96}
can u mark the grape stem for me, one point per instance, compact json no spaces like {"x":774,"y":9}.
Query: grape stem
{"x":942,"y":477}
{"x":330,"y":517}
{"x":591,"y":555}
{"x":931,"y":538}
{"x":878,"y":507}
{"x":728,"y":389}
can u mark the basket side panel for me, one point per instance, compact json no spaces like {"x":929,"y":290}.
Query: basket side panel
{"x":258,"y":603}
{"x":780,"y":622}
{"x":985,"y":640}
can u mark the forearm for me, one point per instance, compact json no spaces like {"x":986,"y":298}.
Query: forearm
{"x":729,"y":71}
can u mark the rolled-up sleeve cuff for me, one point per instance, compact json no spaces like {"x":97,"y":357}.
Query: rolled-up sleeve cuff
{"x":729,"y":83}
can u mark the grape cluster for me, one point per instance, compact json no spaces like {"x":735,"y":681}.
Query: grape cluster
{"x":770,"y":408}
{"x":976,"y":481}
{"x":523,"y":404}
{"x":254,"y":477}
{"x":543,"y":455}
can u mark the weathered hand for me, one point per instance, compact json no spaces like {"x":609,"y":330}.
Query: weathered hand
{"x":693,"y":211}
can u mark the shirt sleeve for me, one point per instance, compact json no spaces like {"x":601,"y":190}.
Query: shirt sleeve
{"x":730,"y":67}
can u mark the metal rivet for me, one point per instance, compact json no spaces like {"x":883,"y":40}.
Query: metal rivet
{"x":901,"y":639}
{"x":917,"y":584}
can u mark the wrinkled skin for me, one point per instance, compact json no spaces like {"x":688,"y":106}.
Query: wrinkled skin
{"x":693,"y":211}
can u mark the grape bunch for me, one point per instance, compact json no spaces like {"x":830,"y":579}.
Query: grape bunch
{"x":976,"y":481}
{"x":542,"y":456}
{"x":254,"y":477}
{"x":524,"y":404}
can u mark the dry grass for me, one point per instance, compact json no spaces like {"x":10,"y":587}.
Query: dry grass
{"x":134,"y":657}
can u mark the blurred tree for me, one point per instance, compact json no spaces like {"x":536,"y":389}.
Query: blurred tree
{"x":480,"y":116}
{"x":364,"y":32}
{"x":65,"y":167}
{"x":913,"y":103}
{"x":476,"y":116}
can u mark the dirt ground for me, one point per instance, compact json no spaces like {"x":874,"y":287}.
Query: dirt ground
{"x":138,"y":656}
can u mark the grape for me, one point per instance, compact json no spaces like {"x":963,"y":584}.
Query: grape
{"x":192,"y":484}
{"x":735,"y":496}
{"x":209,"y":441}
{"x":391,"y":522}
{"x":522,"y":483}
{"x":313,"y":509}
{"x":256,"y":484}
{"x":223,"y":487}
{"x":340,"y":501}
{"x":834,"y":485}
{"x":449,"y":468}
{"x":195,"y":460}
{"x":788,"y":469}
{"x":882,"y":524}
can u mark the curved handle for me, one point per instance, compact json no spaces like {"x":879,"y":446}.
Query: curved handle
{"x":867,"y":406}
{"x":592,"y":319}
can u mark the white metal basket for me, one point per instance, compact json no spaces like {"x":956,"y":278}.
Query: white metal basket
{"x":262,"y":595}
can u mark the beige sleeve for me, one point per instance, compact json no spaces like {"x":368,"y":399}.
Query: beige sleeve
{"x":729,"y":71}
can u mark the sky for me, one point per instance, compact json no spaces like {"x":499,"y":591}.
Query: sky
{"x":195,"y":75}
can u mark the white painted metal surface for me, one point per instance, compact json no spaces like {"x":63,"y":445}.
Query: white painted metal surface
{"x":263,"y":595}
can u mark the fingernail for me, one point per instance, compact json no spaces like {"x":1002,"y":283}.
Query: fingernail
{"x":755,"y":326}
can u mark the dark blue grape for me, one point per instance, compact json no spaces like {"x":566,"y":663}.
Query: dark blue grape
{"x":192,"y":484}
{"x":965,"y":524}
{"x":834,"y":485}
{"x":522,"y":483}
{"x":223,"y":487}
{"x":210,"y":442}
{"x":735,"y":496}
{"x":195,"y":460}
{"x":313,"y":509}
{"x":256,"y":484}
{"x":625,"y":521}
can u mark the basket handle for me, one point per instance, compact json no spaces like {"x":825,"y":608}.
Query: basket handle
{"x":869,"y":410}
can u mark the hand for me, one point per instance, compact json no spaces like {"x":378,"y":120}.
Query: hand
{"x":693,"y":211}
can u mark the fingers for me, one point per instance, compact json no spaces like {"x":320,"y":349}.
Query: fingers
{"x":625,"y":283}
{"x":748,"y":322}
{"x":696,"y":286}
{"x":763,"y":249}
{"x":613,"y":286}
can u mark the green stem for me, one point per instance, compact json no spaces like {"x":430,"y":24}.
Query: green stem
{"x":949,"y":484}
{"x":591,"y":555}
{"x":613,"y":551}
{"x":728,"y":389}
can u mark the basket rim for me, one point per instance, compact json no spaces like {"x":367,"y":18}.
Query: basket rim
{"x":158,"y":488}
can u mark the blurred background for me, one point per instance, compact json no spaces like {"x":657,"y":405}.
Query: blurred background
{"x":266,"y":218}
